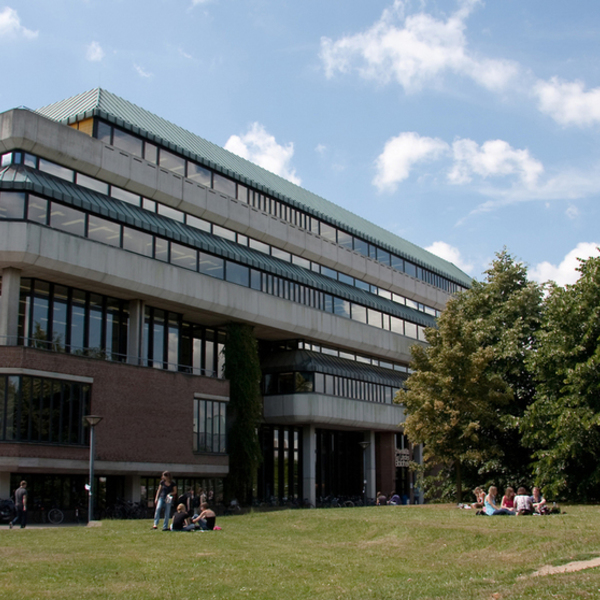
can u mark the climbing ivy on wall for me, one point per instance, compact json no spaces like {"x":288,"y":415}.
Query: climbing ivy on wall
{"x":244,"y":412}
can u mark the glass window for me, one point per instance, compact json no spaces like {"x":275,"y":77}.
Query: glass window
{"x":224,"y":233}
{"x":67,"y":219}
{"x":383,"y":256}
{"x":256,"y":245}
{"x":281,"y":254}
{"x":328,"y":232}
{"x":341,"y":307}
{"x":361,"y":246}
{"x":37,"y":209}
{"x":361,"y":285}
{"x":384,"y":293}
{"x":150,"y":152}
{"x":29,"y":160}
{"x":397,"y":263}
{"x":161,"y":249}
{"x":242,"y":193}
{"x":96,"y":322}
{"x":104,"y":132}
{"x":301,"y":262}
{"x":344,"y":239}
{"x":374,"y":317}
{"x":359,"y":313}
{"x":171,"y":213}
{"x":127,"y":142}
{"x":398,"y":299}
{"x":410,"y":330}
{"x":329,"y":272}
{"x":12,"y":205}
{"x":199,"y":174}
{"x":198,"y":223}
{"x":412,"y":304}
{"x":397,"y":325}
{"x":319,"y":383}
{"x":211,"y":265}
{"x":77,"y":330}
{"x":255,"y":279}
{"x":53,"y":169}
{"x":171,"y":161}
{"x":149,"y":205}
{"x":421,"y":333}
{"x":410,"y":269}
{"x":184,"y":256}
{"x":224,"y":185}
{"x":91,"y":184}
{"x":137,"y":241}
{"x":101,"y":230}
{"x":346,"y":279}
{"x":124,"y":195}
{"x":237,"y":273}
{"x":242,"y":239}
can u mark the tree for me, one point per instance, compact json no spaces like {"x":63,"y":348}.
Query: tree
{"x":451,"y":395}
{"x":244,"y":413}
{"x":563,"y":423}
{"x":470,"y":386}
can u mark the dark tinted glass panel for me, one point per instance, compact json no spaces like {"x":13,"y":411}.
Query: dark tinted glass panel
{"x":77,"y":321}
{"x":101,"y":230}
{"x":346,"y":279}
{"x":59,"y":318}
{"x":199,"y":174}
{"x":383,"y":256}
{"x":410,"y":269}
{"x":161,"y":249}
{"x":329,"y":272}
{"x":137,"y":241}
{"x":341,"y":307}
{"x":361,"y":246}
{"x":104,"y":132}
{"x":171,"y":161}
{"x":397,"y":263}
{"x":224,"y":185}
{"x":183,"y":256}
{"x":237,"y":274}
{"x":328,"y":232}
{"x":127,"y":142}
{"x":12,"y":205}
{"x":211,"y":265}
{"x":66,"y":218}
{"x":95,"y":324}
{"x":255,"y":279}
{"x":345,"y":239}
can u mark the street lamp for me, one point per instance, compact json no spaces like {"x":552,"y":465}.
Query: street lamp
{"x":364,"y":446}
{"x":92,"y":421}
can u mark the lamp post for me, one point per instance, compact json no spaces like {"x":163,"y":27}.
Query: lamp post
{"x":364,"y":446}
{"x":92,"y":421}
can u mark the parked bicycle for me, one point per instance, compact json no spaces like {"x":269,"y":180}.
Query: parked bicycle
{"x":41,"y":514}
{"x":7,"y":510}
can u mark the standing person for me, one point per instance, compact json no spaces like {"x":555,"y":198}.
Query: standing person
{"x":165,"y":493}
{"x":21,"y":506}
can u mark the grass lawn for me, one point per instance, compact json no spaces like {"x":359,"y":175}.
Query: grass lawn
{"x":375,"y":553}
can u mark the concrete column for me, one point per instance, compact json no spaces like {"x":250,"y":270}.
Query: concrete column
{"x":9,"y":306}
{"x":133,"y":488}
{"x":309,"y":463}
{"x":370,"y":461}
{"x":135,"y":333}
{"x":4,"y":485}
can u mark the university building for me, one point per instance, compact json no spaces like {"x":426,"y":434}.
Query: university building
{"x":127,"y":245}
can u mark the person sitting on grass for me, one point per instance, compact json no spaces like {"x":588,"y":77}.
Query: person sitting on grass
{"x":479,"y":498}
{"x":523,"y":504}
{"x":179,"y":520}
{"x":490,"y":504}
{"x":206,"y":519}
{"x":508,"y":500}
{"x":538,"y":501}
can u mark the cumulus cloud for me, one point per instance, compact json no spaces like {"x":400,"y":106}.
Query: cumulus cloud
{"x":399,"y":156}
{"x":142,"y":72}
{"x":567,"y":102}
{"x":414,"y":50}
{"x":451,"y":254}
{"x":94,"y":52}
{"x":564,"y":273}
{"x":10,"y":25}
{"x":260,"y":147}
{"x":494,"y":157}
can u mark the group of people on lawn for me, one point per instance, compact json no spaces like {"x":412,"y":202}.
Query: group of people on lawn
{"x":520,"y":503}
{"x":192,"y":511}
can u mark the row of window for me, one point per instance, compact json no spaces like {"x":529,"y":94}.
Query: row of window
{"x":210,"y":426}
{"x":65,"y":319}
{"x":58,"y":216}
{"x":303,"y":382}
{"x":209,"y":178}
{"x":291,"y":345}
{"x":12,"y":211}
{"x":38,"y":409}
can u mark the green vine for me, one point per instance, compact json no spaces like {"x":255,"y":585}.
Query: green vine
{"x":244,"y":412}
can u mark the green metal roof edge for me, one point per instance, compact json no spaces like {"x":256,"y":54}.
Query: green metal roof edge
{"x":26,"y":179}
{"x":104,"y":104}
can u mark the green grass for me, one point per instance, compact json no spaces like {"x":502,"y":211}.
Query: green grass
{"x":411,"y":552}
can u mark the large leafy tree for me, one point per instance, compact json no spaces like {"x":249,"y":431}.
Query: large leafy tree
{"x":563,"y":424}
{"x":244,"y":414}
{"x":470,"y":387}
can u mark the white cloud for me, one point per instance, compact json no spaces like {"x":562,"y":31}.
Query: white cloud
{"x":10,"y":25}
{"x":142,"y":72}
{"x":198,"y":2}
{"x":261,"y":148}
{"x":564,"y":273}
{"x":494,"y":157}
{"x":567,"y":102}
{"x":572,"y":211}
{"x":400,"y":154}
{"x":94,"y":52}
{"x":321,"y":149}
{"x":414,"y":50}
{"x":451,"y":254}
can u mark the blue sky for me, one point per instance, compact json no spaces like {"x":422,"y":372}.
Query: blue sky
{"x":463,"y":126}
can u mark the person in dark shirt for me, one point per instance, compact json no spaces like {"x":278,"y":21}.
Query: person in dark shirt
{"x":179,"y":520}
{"x":21,"y":506}
{"x":167,"y":490}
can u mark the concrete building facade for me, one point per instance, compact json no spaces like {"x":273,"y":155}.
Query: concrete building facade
{"x":127,"y":245}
